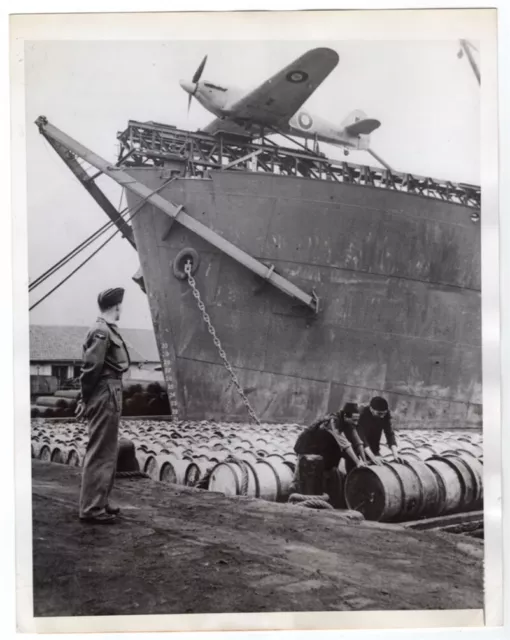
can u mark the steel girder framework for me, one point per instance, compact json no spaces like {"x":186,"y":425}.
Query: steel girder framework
{"x":154,"y":144}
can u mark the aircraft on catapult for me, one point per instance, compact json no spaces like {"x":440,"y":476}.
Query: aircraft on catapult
{"x":275,"y":105}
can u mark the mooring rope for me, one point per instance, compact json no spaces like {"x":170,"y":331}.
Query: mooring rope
{"x":131,"y":474}
{"x":312,"y":502}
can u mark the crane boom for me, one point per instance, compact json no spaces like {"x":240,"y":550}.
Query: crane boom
{"x":466,"y":48}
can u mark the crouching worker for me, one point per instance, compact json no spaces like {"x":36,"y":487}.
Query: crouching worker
{"x":331,"y":437}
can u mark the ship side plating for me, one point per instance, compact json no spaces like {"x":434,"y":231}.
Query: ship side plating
{"x":397,"y":275}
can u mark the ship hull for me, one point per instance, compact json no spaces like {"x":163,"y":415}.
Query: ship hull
{"x":397,"y":275}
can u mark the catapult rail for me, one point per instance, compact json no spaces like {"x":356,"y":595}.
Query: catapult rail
{"x":67,"y":145}
{"x":152,"y":143}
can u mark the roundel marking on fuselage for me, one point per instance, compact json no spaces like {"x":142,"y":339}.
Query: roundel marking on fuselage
{"x":297,"y":76}
{"x":305,"y":120}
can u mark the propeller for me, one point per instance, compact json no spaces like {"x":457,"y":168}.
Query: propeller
{"x":199,"y":71}
{"x":196,"y":77}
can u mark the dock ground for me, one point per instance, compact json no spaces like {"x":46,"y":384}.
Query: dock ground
{"x":179,"y":550}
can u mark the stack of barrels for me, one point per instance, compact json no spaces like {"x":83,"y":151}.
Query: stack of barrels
{"x":232,"y":458}
{"x":60,"y":405}
{"x":441,"y":472}
{"x":140,"y":398}
{"x":145,"y":398}
{"x":64,"y":443}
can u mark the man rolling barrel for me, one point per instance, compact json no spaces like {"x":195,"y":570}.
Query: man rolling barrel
{"x":105,"y":359}
{"x":332,"y":437}
{"x":373,"y":421}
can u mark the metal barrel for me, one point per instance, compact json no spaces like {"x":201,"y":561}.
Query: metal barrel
{"x":142,"y":454}
{"x":472,"y":480}
{"x":192,"y":474}
{"x":45,"y":453}
{"x":410,"y":454}
{"x":374,"y":491}
{"x":432,"y":498}
{"x":412,"y":491}
{"x":269,"y":481}
{"x":54,"y":402}
{"x":73,"y":458}
{"x":67,"y":393}
{"x":151,"y":467}
{"x":450,"y":483}
{"x":167,"y":471}
{"x":275,"y":478}
{"x":234,"y":479}
{"x":57,"y":454}
{"x":249,"y":456}
{"x":173,"y":470}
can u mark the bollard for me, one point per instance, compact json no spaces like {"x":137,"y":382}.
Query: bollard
{"x":126,"y":457}
{"x":310,"y":475}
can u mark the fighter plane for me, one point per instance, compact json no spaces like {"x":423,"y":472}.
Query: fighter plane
{"x":275,"y":105}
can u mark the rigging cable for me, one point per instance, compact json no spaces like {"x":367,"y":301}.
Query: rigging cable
{"x":74,"y":270}
{"x":136,"y":209}
{"x":83,"y":245}
{"x":43,"y":277}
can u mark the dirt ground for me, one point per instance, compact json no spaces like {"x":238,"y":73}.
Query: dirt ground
{"x":179,"y":550}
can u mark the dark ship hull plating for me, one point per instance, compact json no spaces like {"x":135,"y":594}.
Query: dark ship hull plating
{"x":398,"y":277}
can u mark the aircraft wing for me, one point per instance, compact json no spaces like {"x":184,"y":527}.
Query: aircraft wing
{"x":279,"y":98}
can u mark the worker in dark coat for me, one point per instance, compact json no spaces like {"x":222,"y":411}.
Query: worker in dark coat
{"x":332,"y":437}
{"x":105,"y":359}
{"x":373,"y":421}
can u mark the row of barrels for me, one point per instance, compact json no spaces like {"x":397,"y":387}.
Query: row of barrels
{"x":266,"y":436}
{"x":201,"y":441}
{"x":59,"y":452}
{"x":395,"y":492}
{"x":268,"y":479}
{"x":240,"y":438}
{"x":243,"y":460}
{"x":391,"y":493}
{"x":61,"y":404}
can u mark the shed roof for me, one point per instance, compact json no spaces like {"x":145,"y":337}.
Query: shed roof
{"x":64,"y":343}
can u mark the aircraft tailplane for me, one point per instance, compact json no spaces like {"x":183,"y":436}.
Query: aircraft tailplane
{"x":357,"y":123}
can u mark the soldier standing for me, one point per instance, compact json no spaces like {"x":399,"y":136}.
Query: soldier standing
{"x":105,"y":359}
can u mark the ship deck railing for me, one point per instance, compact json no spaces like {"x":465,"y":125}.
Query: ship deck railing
{"x":156,"y":144}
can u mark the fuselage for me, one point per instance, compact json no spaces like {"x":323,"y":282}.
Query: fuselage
{"x":221,"y":100}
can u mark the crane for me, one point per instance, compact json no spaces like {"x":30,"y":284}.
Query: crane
{"x":467,"y":47}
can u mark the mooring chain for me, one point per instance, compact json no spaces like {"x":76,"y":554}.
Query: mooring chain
{"x":223,"y":355}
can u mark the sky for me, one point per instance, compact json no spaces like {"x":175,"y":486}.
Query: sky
{"x":427,"y":100}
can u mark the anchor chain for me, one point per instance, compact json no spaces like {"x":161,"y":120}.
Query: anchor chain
{"x":223,"y":355}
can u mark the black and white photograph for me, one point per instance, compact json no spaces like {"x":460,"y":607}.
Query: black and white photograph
{"x":255,"y":374}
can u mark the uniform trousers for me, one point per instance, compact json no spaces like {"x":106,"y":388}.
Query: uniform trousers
{"x":103,"y":414}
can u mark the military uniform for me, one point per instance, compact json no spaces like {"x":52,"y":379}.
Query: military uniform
{"x":105,"y":359}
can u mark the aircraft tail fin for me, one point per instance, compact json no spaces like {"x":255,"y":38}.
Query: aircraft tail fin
{"x":358,"y":123}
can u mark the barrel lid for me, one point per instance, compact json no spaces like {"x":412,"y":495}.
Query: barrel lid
{"x":364,"y":492}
